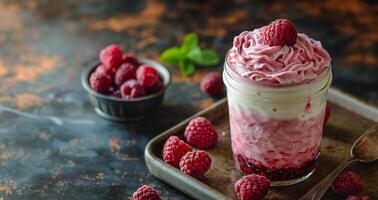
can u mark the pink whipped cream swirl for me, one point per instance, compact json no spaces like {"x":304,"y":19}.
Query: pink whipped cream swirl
{"x":277,"y":65}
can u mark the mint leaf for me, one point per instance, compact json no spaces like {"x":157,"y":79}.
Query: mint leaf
{"x":172,"y":55}
{"x":190,"y":43}
{"x":186,"y":67}
{"x":206,"y":57}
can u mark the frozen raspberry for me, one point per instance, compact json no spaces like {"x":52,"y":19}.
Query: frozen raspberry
{"x":174,"y":149}
{"x":358,"y":198}
{"x":100,"y":82}
{"x":279,"y":33}
{"x":131,"y":89}
{"x":146,"y":193}
{"x":103,"y":69}
{"x":156,"y":88}
{"x":130,"y":58}
{"x":147,"y":76}
{"x":347,"y":183}
{"x":111,"y":56}
{"x":201,"y":133}
{"x":116,"y":93}
{"x":252,"y":187}
{"x":195,"y":163}
{"x":327,"y":113}
{"x":125,"y":72}
{"x":212,"y":84}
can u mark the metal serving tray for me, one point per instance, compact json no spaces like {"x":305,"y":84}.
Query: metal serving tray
{"x":349,"y":119}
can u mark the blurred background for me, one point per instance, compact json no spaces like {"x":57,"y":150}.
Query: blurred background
{"x":45,"y":44}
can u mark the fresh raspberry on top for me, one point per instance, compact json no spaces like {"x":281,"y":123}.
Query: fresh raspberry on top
{"x":212,"y":84}
{"x":111,"y":56}
{"x":146,"y":193}
{"x":147,"y":76}
{"x":130,"y":58}
{"x":347,"y":183}
{"x":327,"y":113}
{"x":195,"y":163}
{"x":100,"y":82}
{"x":201,"y":133}
{"x":125,"y":72}
{"x":102,"y":69}
{"x":358,"y":198}
{"x":131,"y":89}
{"x":252,"y":187}
{"x":279,"y":33}
{"x":174,"y":149}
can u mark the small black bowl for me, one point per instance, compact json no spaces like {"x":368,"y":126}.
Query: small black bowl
{"x":117,"y":109}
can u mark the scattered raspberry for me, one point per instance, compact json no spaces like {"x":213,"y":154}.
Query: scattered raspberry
{"x":279,"y":33}
{"x":174,"y":149}
{"x":146,"y":193}
{"x":100,"y":82}
{"x":130,"y":58}
{"x":195,"y":163}
{"x":111,"y":56}
{"x":212,"y":84}
{"x":147,"y":76}
{"x":103,"y":69}
{"x":347,"y":183}
{"x":252,"y":187}
{"x":358,"y":198}
{"x":125,"y":72}
{"x":131,"y":89}
{"x":327,"y":113}
{"x":201,"y":133}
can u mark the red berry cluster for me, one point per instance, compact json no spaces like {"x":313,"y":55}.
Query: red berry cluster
{"x":121,"y":75}
{"x":199,"y":133}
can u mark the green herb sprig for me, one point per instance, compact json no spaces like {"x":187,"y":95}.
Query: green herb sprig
{"x":189,"y":55}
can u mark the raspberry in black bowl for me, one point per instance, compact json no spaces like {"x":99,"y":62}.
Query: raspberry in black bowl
{"x":123,"y":87}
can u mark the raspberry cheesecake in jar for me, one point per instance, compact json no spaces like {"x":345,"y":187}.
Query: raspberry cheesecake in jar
{"x":277,"y":82}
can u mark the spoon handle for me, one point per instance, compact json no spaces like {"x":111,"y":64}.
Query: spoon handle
{"x":319,"y":189}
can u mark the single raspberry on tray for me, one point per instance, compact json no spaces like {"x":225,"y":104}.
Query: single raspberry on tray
{"x":212,"y":84}
{"x":131,"y":89}
{"x":174,"y":149}
{"x":111,"y":56}
{"x":130,"y":58}
{"x":125,"y":72}
{"x":358,"y":198}
{"x":201,"y":133}
{"x":347,"y":183}
{"x":147,"y":76}
{"x":146,"y":193}
{"x":252,"y":187}
{"x":195,"y":163}
{"x":100,"y":82}
{"x":279,"y":33}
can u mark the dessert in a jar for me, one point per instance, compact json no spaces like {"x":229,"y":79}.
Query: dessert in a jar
{"x":277,"y":82}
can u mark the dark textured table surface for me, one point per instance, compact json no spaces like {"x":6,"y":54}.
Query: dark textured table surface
{"x":53,"y":145}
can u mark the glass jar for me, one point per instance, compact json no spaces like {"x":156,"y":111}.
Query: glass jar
{"x":276,"y":131}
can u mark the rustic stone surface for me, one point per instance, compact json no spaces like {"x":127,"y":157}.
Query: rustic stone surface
{"x":53,"y":145}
